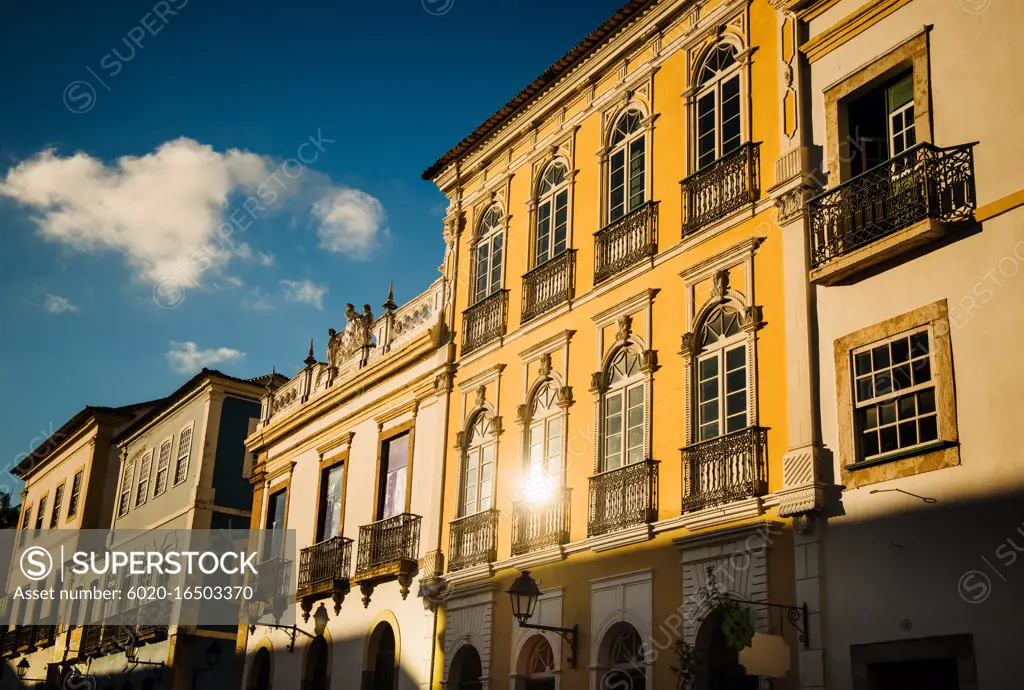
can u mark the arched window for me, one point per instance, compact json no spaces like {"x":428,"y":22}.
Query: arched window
{"x":721,"y":373}
{"x":317,"y":675}
{"x":627,"y":188}
{"x":466,"y":669}
{"x":536,"y":666}
{"x":545,"y":441}
{"x":718,"y":104}
{"x":552,"y":232}
{"x":489,"y":248}
{"x":478,"y":474}
{"x":624,"y":657}
{"x":383,"y":650}
{"x":259,"y":674}
{"x":623,"y":412}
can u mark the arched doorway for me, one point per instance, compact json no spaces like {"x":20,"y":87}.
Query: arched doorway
{"x":259,"y":674}
{"x":466,"y":669}
{"x":623,"y":659}
{"x":316,"y":675}
{"x":380,"y":673}
{"x":535,"y":668}
{"x":718,"y":664}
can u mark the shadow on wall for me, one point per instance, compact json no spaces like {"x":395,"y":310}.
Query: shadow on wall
{"x":321,"y":665}
{"x":918,"y":585}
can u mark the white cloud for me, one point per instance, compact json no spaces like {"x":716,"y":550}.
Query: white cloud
{"x":187,"y":358}
{"x":169,"y":212}
{"x":257,"y":300}
{"x":304,"y":291}
{"x":350,"y":222}
{"x":55,"y":304}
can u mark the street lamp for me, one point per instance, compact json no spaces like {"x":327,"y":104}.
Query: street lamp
{"x":524,"y":594}
{"x":22,"y":670}
{"x":257,"y":608}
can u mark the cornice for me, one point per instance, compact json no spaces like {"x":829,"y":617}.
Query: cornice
{"x":482,"y":376}
{"x":626,"y":306}
{"x":558,"y":340}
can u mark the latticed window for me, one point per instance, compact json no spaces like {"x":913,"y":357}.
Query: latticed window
{"x":719,"y":128}
{"x":76,"y":492}
{"x":623,"y":414}
{"x":540,"y":659}
{"x":162,"y":467}
{"x":58,"y":500}
{"x":895,"y":395}
{"x":625,"y":659}
{"x":125,"y":493}
{"x":488,"y":253}
{"x":552,"y":234}
{"x":722,"y":374}
{"x":478,"y":475}
{"x":546,"y":434}
{"x":142,"y":490}
{"x":627,"y":188}
{"x":184,"y":449}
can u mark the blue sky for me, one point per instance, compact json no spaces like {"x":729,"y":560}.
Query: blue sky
{"x":132,"y":132}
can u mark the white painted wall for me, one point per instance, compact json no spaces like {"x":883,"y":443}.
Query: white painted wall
{"x":894,"y":562}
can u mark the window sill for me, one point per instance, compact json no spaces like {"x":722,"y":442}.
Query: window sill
{"x":934,"y":456}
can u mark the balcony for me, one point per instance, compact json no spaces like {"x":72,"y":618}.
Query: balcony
{"x":26,"y":638}
{"x":44,"y":635}
{"x":324,"y":570}
{"x":388,"y":549}
{"x":725,"y":469}
{"x":718,"y":189}
{"x":9,"y":646}
{"x":91,"y":638}
{"x":625,"y":497}
{"x":900,"y":204}
{"x":540,"y":526}
{"x":484,"y":321}
{"x":474,"y":540}
{"x":273,"y":579}
{"x":549,"y":285}
{"x":625,"y":242}
{"x":148,"y":613}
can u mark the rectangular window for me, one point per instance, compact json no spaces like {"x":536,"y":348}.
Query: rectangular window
{"x":184,"y":448}
{"x":722,"y":398}
{"x":274,"y":525}
{"x":617,"y":186}
{"x":393,"y":476}
{"x":162,"y":467}
{"x":881,"y":123}
{"x":895,"y":395}
{"x":26,"y":520}
{"x":125,"y":492}
{"x":561,"y":222}
{"x":142,"y":489}
{"x":624,"y":427}
{"x":58,"y":500}
{"x":479,"y":487}
{"x":543,"y":243}
{"x":329,"y":515}
{"x":76,"y":492}
{"x":900,"y":104}
{"x":41,"y":513}
{"x":637,"y":192}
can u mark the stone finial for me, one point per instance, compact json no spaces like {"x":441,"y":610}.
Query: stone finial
{"x":390,"y":305}
{"x":310,"y":357}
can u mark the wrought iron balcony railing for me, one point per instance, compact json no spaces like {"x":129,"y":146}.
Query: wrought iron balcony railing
{"x":26,"y":637}
{"x":549,"y":285}
{"x":92,"y":635}
{"x":474,"y":540}
{"x":388,"y":545}
{"x":44,"y":635}
{"x":725,"y":469}
{"x":623,"y":497}
{"x":924,"y":181}
{"x":484,"y":321}
{"x":10,"y":642}
{"x":273,"y":579}
{"x":625,"y":242}
{"x":539,"y":526}
{"x":325,"y":567}
{"x":720,"y":188}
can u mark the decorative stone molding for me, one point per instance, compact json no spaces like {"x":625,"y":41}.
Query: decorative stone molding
{"x":792,"y":205}
{"x":545,"y":364}
{"x":625,"y":327}
{"x":563,"y":397}
{"x":444,"y":382}
{"x":469,"y":614}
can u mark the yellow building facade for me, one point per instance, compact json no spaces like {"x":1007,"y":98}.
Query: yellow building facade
{"x":625,"y":421}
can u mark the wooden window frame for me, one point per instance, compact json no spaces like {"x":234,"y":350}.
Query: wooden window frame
{"x":177,"y":456}
{"x":943,"y":453}
{"x":383,"y":436}
{"x":329,"y":462}
{"x":72,"y":512}
{"x":55,"y":510}
{"x":157,"y":491}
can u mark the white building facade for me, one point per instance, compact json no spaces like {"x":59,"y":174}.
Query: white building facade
{"x":915,"y":238}
{"x":349,"y":457}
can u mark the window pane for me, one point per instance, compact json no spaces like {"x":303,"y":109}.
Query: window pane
{"x":922,"y":371}
{"x":880,"y":357}
{"x":900,"y":350}
{"x":919,"y":344}
{"x":865,"y":389}
{"x":736,"y":358}
{"x":706,"y":129}
{"x":928,"y":429}
{"x":731,"y":115}
{"x":926,"y":401}
{"x":870,"y":444}
{"x":889,"y":438}
{"x":862,"y":363}
{"x":887,"y":412}
{"x":636,"y":174}
{"x":617,"y":185}
{"x":908,"y":434}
